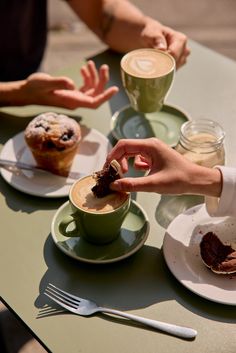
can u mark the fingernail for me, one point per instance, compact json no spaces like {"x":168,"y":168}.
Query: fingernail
{"x":115,"y":186}
{"x":160,"y":45}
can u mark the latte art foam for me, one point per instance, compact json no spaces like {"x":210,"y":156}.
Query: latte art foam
{"x":147,"y":63}
{"x":83,"y":197}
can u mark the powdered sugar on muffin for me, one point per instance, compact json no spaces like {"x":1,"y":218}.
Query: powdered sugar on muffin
{"x":52,"y":131}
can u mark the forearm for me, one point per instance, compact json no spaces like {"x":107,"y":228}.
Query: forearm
{"x":204,"y":181}
{"x":122,"y":25}
{"x":117,"y":22}
{"x":11,"y":93}
{"x":226,"y":204}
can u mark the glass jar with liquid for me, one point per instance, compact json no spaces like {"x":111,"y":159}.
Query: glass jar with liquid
{"x":202,"y":142}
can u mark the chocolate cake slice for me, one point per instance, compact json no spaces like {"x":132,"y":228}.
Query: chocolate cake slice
{"x":105,"y":177}
{"x":220,"y":258}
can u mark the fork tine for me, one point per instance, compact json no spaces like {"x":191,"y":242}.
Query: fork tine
{"x":71,"y":297}
{"x":69,"y":308}
{"x":61,"y":298}
{"x":67,"y":299}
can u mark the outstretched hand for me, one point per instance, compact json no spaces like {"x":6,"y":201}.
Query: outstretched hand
{"x":44,"y":89}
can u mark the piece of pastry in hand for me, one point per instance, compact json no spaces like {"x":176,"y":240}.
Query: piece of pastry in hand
{"x":105,"y":177}
{"x":220,"y":258}
{"x":53,"y":140}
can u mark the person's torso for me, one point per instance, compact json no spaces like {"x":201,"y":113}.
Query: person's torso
{"x":23,"y":33}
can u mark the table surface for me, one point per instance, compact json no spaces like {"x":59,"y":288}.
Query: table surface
{"x":141,"y":284}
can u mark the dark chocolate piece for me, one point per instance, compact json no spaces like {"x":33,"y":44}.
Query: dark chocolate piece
{"x":220,"y":258}
{"x":103,"y":180}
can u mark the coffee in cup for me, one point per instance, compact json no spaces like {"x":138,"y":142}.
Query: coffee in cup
{"x":83,"y":197}
{"x":97,"y":220}
{"x":147,"y":75}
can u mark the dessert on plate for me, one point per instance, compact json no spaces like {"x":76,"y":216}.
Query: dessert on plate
{"x":220,"y":258}
{"x":53,"y":140}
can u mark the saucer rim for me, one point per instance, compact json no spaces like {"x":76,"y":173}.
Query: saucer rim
{"x":115,"y":116}
{"x":101,"y":262}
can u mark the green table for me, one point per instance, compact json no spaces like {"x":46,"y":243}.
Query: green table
{"x":141,"y":284}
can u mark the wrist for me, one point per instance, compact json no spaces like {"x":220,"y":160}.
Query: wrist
{"x":12,"y":93}
{"x":205,"y":181}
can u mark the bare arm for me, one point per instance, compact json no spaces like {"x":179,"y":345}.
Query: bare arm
{"x":10,"y":93}
{"x":123,"y":27}
{"x":116,"y":22}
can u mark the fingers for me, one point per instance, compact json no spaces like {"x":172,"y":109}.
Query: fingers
{"x":87,"y":72}
{"x":50,"y":83}
{"x":155,"y":35}
{"x":146,"y":183}
{"x":183,"y":58}
{"x":75,"y":99}
{"x":93,"y":73}
{"x":157,"y":42}
{"x":93,"y":79}
{"x":91,"y":95}
{"x":141,"y":163}
{"x":177,"y":46}
{"x":152,"y":35}
{"x":103,"y":79}
{"x":61,"y":83}
{"x":131,"y":148}
{"x":95,"y":102}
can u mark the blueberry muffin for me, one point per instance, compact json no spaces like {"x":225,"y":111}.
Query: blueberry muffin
{"x":53,"y":140}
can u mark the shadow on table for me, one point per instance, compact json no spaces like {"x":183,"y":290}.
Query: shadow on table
{"x":137,"y":282}
{"x":119,"y":285}
{"x":19,"y":201}
{"x":170,"y":207}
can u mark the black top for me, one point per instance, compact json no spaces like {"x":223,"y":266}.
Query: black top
{"x":23,"y":35}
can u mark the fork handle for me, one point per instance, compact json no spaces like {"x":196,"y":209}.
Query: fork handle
{"x":180,"y":331}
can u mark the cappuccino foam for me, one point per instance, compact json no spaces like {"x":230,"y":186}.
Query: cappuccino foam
{"x":147,"y":63}
{"x":83,"y":197}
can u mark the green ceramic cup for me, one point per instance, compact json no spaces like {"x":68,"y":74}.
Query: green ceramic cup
{"x":147,"y":75}
{"x":97,"y":220}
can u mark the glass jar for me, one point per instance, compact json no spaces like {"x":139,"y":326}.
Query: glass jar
{"x":202,"y":142}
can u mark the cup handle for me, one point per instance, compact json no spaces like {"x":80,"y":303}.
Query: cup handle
{"x":63,"y":227}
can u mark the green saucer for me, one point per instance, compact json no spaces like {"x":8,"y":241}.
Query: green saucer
{"x":165,"y":124}
{"x":132,"y":236}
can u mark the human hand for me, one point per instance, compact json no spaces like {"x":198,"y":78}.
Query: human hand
{"x":155,"y":35}
{"x":168,"y":171}
{"x":43,"y":89}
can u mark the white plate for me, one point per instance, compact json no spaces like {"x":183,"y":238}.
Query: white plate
{"x":91,"y":156}
{"x":182,"y":254}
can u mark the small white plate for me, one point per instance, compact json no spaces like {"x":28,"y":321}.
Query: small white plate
{"x":91,"y":156}
{"x":182,"y":253}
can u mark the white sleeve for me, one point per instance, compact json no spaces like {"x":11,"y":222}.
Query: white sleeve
{"x":226,"y":204}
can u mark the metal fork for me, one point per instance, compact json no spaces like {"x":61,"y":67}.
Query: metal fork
{"x":86,"y":307}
